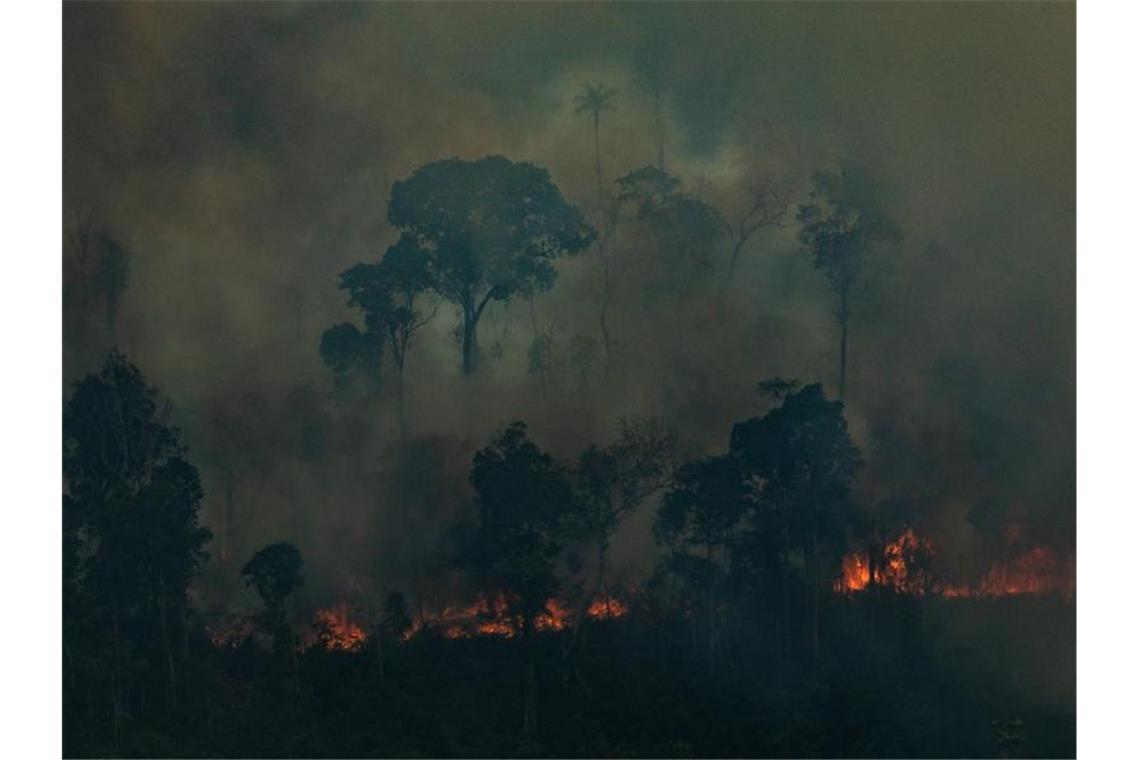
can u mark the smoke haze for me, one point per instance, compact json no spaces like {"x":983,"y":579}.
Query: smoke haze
{"x":244,"y":154}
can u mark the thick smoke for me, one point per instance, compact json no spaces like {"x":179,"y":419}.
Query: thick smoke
{"x":244,"y":153}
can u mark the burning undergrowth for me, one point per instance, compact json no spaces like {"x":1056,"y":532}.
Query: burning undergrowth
{"x":910,"y":564}
{"x":907,"y":565}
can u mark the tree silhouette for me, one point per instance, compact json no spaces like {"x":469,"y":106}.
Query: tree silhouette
{"x":610,"y":482}
{"x":802,"y":455}
{"x":274,"y":572}
{"x":652,"y":80}
{"x":594,"y":99}
{"x":698,"y":518}
{"x":132,"y":541}
{"x":99,"y":267}
{"x":683,"y":226}
{"x":487,"y":230}
{"x":768,"y":200}
{"x":839,"y":226}
{"x":387,"y":294}
{"x":524,"y":496}
{"x":354,"y":356}
{"x":111,"y":276}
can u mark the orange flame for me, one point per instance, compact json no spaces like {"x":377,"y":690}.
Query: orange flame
{"x":606,"y":608}
{"x":335,"y":632}
{"x":903,"y":567}
{"x":492,"y":616}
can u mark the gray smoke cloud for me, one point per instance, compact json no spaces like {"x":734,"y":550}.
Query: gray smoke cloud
{"x":245,"y":152}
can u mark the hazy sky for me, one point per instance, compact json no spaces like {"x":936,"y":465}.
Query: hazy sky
{"x":244,"y":153}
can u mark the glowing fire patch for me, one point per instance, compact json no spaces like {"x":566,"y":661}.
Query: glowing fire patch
{"x":606,"y":608}
{"x":335,"y":632}
{"x":905,"y":566}
{"x":492,"y":616}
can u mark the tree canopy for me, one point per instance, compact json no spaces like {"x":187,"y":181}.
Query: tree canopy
{"x":486,"y":230}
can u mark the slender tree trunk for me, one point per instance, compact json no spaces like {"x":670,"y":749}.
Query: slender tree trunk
{"x":400,"y":408}
{"x":116,"y":680}
{"x":737,"y":246}
{"x":598,"y":159}
{"x":813,"y":576}
{"x":111,"y":332}
{"x":228,"y":518}
{"x":470,"y":347}
{"x":293,"y":653}
{"x":843,"y":319}
{"x":171,"y":694}
{"x":571,"y":648}
{"x":605,"y":308}
{"x":710,"y":612}
{"x":660,"y":130}
{"x":603,"y":555}
{"x":530,"y":683}
{"x":787,"y":627}
{"x":185,"y":631}
{"x":543,"y":355}
{"x":379,"y":651}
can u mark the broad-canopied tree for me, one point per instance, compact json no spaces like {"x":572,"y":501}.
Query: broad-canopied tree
{"x":486,"y":230}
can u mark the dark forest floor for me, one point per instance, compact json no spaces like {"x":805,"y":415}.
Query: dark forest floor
{"x":901,"y":678}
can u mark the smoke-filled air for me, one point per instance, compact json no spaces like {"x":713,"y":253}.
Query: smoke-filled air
{"x":573,"y":380}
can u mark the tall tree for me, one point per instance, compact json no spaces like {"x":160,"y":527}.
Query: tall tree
{"x":133,"y":537}
{"x":275,"y":572}
{"x":767,"y":202}
{"x":683,"y":227}
{"x":524,"y":496}
{"x":487,"y":230}
{"x":610,"y":482}
{"x":839,"y":225}
{"x":699,"y":517}
{"x":652,"y":79}
{"x":802,"y":455}
{"x":594,"y":99}
{"x":111,"y":276}
{"x":354,"y":356}
{"x":387,"y":294}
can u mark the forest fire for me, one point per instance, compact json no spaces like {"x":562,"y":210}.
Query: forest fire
{"x":335,"y":632}
{"x":607,"y":608}
{"x":908,"y":565}
{"x":492,"y":616}
{"x":1038,"y":571}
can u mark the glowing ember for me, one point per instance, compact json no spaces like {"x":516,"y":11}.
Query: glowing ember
{"x":492,"y":616}
{"x":906,"y":566}
{"x":855,"y":574}
{"x":607,"y":608}
{"x":1035,"y":572}
{"x":902,"y":566}
{"x":554,"y":617}
{"x":335,"y":632}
